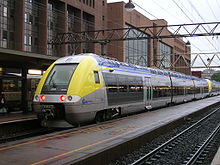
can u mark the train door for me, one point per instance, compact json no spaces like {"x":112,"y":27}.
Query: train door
{"x":147,"y":92}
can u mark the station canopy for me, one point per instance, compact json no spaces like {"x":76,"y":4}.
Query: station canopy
{"x":21,"y":59}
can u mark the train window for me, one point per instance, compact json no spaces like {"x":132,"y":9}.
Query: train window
{"x":59,"y":78}
{"x":161,"y":91}
{"x":111,"y":82}
{"x":96,"y":74}
{"x":112,"y":88}
{"x":132,"y":88}
{"x":10,"y":85}
{"x":60,"y":75}
{"x":123,"y":88}
{"x":140,"y":88}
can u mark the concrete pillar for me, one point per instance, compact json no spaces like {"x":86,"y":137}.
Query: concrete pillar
{"x":42,"y":32}
{"x":24,"y":90}
{"x":62,"y":27}
{"x":19,"y":23}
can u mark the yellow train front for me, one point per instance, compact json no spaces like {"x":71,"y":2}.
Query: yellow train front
{"x":70,"y":90}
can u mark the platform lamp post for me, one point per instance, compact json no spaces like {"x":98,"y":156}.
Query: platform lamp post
{"x":209,"y":69}
{"x":188,"y":50}
{"x":129,"y":6}
{"x":188,"y":44}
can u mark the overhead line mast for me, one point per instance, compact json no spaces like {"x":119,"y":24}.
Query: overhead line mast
{"x":154,"y":32}
{"x":105,"y":36}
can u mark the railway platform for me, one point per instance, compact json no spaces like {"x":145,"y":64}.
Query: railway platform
{"x":97,"y":144}
{"x":16,"y":116}
{"x":216,"y":160}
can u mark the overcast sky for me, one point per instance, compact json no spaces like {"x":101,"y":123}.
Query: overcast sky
{"x":182,"y":12}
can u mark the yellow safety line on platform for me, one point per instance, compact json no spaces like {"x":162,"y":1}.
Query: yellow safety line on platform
{"x":61,"y":135}
{"x":85,"y":147}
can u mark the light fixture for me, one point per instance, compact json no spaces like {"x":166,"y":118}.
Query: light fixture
{"x":129,"y":6}
{"x":42,"y":98}
{"x":62,"y":98}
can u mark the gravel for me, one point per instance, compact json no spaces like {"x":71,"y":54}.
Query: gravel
{"x":179,"y":153}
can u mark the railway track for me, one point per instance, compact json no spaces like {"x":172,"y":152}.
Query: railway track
{"x":197,"y":146}
{"x":200,"y":153}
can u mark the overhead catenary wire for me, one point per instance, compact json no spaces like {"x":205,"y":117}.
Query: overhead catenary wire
{"x":211,"y":9}
{"x":192,"y":5}
{"x":191,"y":19}
{"x":177,"y":18}
{"x":218,"y":4}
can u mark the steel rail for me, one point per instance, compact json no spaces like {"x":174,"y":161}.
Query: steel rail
{"x":196,"y":155}
{"x":150,"y":154}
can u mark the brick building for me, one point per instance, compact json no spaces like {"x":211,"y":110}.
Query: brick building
{"x":26,"y":27}
{"x":38,"y":21}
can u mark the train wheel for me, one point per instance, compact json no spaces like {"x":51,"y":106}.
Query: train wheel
{"x":99,"y":117}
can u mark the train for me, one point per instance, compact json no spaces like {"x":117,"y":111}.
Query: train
{"x":10,"y":91}
{"x":86,"y":88}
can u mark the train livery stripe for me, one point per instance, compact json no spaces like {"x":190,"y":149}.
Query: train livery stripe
{"x":43,"y":79}
{"x":83,"y":79}
{"x":209,"y":85}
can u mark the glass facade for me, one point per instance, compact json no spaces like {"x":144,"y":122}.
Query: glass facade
{"x":136,"y":51}
{"x":52,"y":21}
{"x":165,"y":55}
{"x":31,"y":18}
{"x":87,"y":25}
{"x":7,"y":27}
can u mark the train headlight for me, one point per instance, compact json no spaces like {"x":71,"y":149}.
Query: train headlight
{"x":36,"y":97}
{"x":62,"y":98}
{"x":69,"y":98}
{"x":42,"y":98}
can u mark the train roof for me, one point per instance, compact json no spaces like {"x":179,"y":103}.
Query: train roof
{"x":106,"y":62}
{"x":122,"y":65}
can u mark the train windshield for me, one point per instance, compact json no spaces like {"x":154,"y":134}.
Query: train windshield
{"x":59,"y":78}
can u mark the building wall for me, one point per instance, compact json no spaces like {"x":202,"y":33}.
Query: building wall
{"x":182,"y":56}
{"x":115,"y":20}
{"x":38,"y":21}
{"x":197,"y":73}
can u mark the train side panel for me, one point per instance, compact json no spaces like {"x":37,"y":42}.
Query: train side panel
{"x":161,"y":91}
{"x":124,"y":91}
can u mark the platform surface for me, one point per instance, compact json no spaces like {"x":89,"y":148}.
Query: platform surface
{"x":216,"y":160}
{"x":16,"y":116}
{"x":74,"y":144}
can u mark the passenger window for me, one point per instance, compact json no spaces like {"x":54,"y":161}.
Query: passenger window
{"x":97,"y":80}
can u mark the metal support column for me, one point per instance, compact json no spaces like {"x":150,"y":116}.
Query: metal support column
{"x":24,"y":91}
